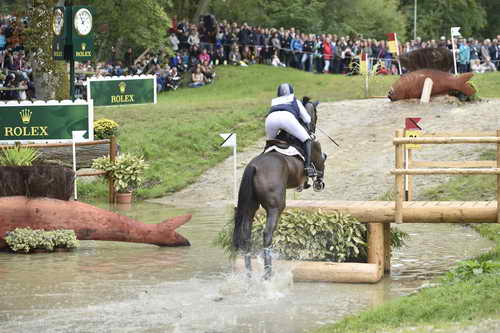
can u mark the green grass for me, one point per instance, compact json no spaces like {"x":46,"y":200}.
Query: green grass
{"x":451,"y":305}
{"x":179,"y":136}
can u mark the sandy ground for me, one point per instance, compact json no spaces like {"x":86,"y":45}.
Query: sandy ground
{"x":359,"y":169}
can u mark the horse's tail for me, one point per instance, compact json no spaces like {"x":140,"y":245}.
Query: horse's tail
{"x":244,"y":211}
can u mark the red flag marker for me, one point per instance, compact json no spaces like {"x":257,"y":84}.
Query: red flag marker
{"x":412,"y":124}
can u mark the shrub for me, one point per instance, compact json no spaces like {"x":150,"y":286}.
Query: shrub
{"x":319,"y":236}
{"x":126,"y":170}
{"x":18,"y":156}
{"x":26,"y":239}
{"x":468,"y":269}
{"x":105,"y":128}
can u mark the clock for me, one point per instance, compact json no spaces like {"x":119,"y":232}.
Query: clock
{"x":83,"y":21}
{"x":58,"y":23}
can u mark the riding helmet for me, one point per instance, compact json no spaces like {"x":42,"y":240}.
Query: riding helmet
{"x":285,"y":89}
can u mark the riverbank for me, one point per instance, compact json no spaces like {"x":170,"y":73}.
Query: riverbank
{"x":179,"y":136}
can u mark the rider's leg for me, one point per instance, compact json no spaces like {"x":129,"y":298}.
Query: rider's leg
{"x":310,"y":171}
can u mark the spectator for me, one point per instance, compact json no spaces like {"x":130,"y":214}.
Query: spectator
{"x":234,"y":55}
{"x":463,"y":56}
{"x":128,"y":58}
{"x":327,"y":49}
{"x":174,"y":42}
{"x":197,"y":78}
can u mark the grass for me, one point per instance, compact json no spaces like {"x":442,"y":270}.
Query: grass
{"x":449,"y":306}
{"x":179,"y":136}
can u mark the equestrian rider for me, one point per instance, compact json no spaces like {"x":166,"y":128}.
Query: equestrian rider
{"x":285,"y":114}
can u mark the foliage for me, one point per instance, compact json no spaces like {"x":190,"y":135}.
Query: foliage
{"x":128,"y":23}
{"x":320,"y":236}
{"x":18,"y":156}
{"x":105,"y":128}
{"x":434,"y":18}
{"x":468,"y":269}
{"x":50,"y":76}
{"x":126,"y":170}
{"x":26,"y":239}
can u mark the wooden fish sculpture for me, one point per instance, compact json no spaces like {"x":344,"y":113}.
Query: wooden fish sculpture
{"x":88,"y":222}
{"x":411,"y":84}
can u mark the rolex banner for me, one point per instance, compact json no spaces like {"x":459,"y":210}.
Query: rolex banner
{"x":45,"y":122}
{"x":122,"y":90}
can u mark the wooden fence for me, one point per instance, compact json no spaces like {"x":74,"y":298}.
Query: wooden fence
{"x":112,"y":155}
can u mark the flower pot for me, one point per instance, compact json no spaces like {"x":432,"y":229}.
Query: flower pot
{"x":123,"y":197}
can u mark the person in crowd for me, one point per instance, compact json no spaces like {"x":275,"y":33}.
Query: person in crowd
{"x":208,"y":71}
{"x":276,"y":62}
{"x":197,"y":78}
{"x":234,"y":55}
{"x":327,"y":49}
{"x":174,"y":41}
{"x":307,"y":56}
{"x":463,"y":60}
{"x":204,"y":56}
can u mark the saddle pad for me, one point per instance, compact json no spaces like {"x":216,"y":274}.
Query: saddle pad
{"x":290,"y":151}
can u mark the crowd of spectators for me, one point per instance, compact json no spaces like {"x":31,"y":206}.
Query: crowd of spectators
{"x":16,"y":80}
{"x":199,"y":48}
{"x":234,"y":44}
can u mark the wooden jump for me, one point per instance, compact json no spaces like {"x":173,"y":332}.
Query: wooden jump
{"x":380,"y":214}
{"x":413,"y":211}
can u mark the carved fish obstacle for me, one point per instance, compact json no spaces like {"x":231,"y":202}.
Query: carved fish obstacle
{"x":88,"y":222}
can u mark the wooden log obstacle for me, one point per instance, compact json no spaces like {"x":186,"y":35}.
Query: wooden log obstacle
{"x":380,"y":214}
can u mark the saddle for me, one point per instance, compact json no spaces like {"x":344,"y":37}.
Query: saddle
{"x":284,"y":141}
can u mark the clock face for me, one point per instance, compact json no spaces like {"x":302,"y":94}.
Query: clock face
{"x":83,"y":21}
{"x":58,"y":22}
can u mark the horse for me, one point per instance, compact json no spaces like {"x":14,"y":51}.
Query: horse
{"x":265,"y":181}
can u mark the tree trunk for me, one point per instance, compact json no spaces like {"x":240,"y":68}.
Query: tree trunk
{"x":201,"y":9}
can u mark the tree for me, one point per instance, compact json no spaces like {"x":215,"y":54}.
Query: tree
{"x":492,"y":9}
{"x":435,"y":18}
{"x":128,"y":23}
{"x":370,"y":18}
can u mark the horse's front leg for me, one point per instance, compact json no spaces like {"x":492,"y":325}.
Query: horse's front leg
{"x":248,"y":264}
{"x":318,"y":183}
{"x":272,"y":218}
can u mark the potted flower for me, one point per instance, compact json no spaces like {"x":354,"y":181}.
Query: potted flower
{"x":126,"y":171}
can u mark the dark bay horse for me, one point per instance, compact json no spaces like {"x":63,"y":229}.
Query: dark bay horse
{"x":264,"y":183}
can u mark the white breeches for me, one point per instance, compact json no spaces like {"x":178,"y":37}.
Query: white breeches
{"x":284,"y":120}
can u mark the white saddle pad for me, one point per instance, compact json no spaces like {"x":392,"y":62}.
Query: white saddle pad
{"x":290,"y":151}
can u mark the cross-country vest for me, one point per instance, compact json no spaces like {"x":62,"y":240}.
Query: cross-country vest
{"x":291,"y":106}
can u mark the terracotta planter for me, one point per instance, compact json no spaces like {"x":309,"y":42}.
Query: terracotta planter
{"x":123,"y":197}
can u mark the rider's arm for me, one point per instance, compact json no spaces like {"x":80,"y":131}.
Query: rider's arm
{"x":304,"y":115}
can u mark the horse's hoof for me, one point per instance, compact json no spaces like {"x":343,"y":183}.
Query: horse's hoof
{"x":318,"y":186}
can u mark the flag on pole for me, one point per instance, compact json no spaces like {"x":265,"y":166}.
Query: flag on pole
{"x":229,"y":139}
{"x":455,"y":32}
{"x":363,"y":64}
{"x":392,"y":43}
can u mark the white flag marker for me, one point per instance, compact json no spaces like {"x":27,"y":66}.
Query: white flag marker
{"x":77,"y":136}
{"x":230,"y":141}
{"x":455,"y":32}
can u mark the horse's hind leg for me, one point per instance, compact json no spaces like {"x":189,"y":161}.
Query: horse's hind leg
{"x":273,"y":215}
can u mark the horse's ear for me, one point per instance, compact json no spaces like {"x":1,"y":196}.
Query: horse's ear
{"x":305,"y":100}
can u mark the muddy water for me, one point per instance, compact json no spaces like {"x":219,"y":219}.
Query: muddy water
{"x":119,"y":287}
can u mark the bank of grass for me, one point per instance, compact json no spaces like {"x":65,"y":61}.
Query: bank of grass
{"x":450,"y":307}
{"x":179,"y":136}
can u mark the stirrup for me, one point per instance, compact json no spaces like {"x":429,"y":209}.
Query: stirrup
{"x":310,"y":172}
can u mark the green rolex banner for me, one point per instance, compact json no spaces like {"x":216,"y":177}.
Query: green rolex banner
{"x":122,"y":90}
{"x":43,"y":122}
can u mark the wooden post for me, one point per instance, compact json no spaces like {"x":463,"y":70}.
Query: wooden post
{"x":399,"y":190}
{"x":498,"y":177}
{"x":376,"y":245}
{"x":410,"y":177}
{"x":426,"y":91}
{"x":112,"y":157}
{"x":387,"y":248}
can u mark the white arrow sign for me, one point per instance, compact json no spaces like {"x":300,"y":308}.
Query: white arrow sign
{"x":455,"y":31}
{"x":77,"y":137}
{"x":229,"y":139}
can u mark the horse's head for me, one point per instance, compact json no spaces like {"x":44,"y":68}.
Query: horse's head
{"x":311,"y":108}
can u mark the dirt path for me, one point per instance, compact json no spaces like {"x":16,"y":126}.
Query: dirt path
{"x":359,"y":170}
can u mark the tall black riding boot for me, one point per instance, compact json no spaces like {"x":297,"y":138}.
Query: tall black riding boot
{"x":310,"y":171}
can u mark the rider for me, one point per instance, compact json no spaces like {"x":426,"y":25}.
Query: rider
{"x":285,"y":113}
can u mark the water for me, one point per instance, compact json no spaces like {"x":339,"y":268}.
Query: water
{"x":121,"y":287}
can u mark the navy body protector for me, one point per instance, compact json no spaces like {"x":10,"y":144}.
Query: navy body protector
{"x":292,"y":107}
